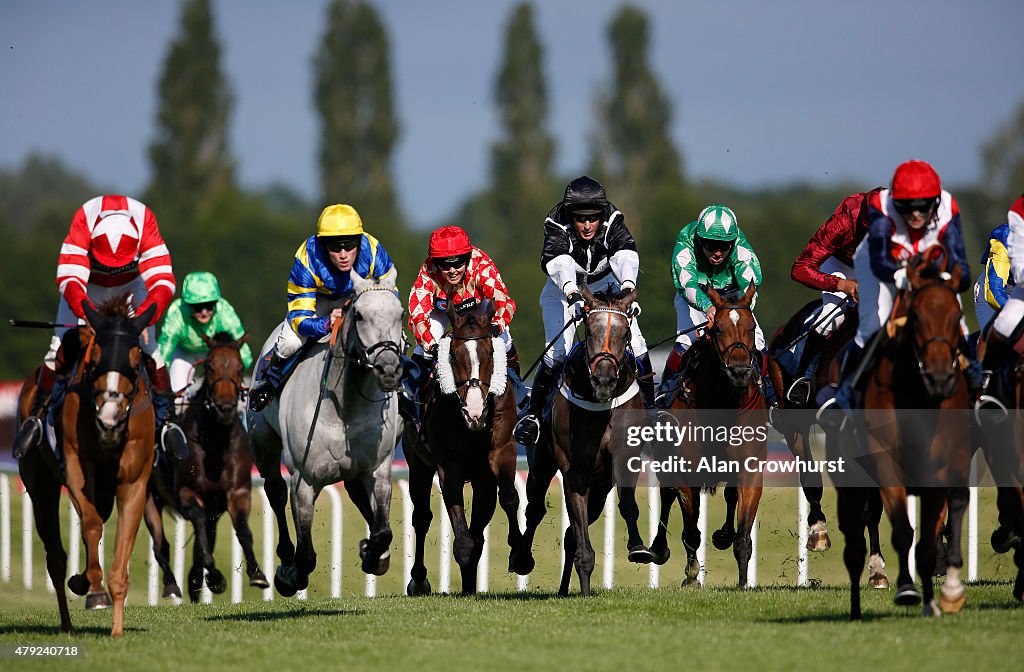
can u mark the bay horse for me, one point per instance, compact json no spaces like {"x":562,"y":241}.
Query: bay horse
{"x":335,"y":420}
{"x":914,"y":437}
{"x":597,"y":400}
{"x":106,"y":428}
{"x":216,"y":477}
{"x":795,"y":424}
{"x":719,"y":388}
{"x":468,"y":418}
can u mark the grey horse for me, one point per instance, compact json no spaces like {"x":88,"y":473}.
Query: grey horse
{"x":336,"y":420}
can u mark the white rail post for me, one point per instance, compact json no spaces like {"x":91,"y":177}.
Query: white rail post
{"x":608,"y":565}
{"x":972,"y":523}
{"x":26,"y":539}
{"x":152,"y":575}
{"x":522,"y":582}
{"x":371,"y":580}
{"x":702,"y":525}
{"x":337,"y":512}
{"x":801,"y":550}
{"x":444,"y":544}
{"x":268,"y":543}
{"x":565,"y":522}
{"x":653,"y":518}
{"x":752,"y":565}
{"x":912,"y":515}
{"x":483,"y":569}
{"x":5,"y":528}
{"x":237,"y":566}
{"x":74,"y":542}
{"x":179,"y":554}
{"x":408,"y":535}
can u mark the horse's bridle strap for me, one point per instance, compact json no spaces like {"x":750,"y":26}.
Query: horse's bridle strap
{"x":588,"y":405}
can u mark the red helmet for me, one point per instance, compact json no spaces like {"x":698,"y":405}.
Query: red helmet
{"x":915,"y":179}
{"x":449,"y":241}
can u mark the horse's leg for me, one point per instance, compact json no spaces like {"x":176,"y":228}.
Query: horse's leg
{"x":90,"y":583}
{"x":872,"y":514}
{"x":811,"y":483}
{"x":850,"y":506}
{"x":723,"y":538}
{"x":952,"y":594}
{"x":659,"y":545}
{"x":191,"y":509}
{"x":749,"y":495}
{"x":131,"y":500}
{"x":484,"y":503}
{"x":569,"y":553}
{"x":503,"y":466}
{"x":215,"y":580}
{"x":267,"y":456}
{"x":542,"y":470}
{"x":195,"y":572}
{"x":463,"y":544}
{"x":421,"y":477}
{"x":45,"y":493}
{"x":894,"y":498}
{"x":153,"y":515}
{"x":933,"y":516}
{"x":239,"y":506}
{"x":374,"y":502}
{"x":290,"y":579}
{"x":630,"y":513}
{"x":689,"y":502}
{"x":577,"y":492}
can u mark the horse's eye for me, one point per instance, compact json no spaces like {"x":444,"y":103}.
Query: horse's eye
{"x":359,"y":317}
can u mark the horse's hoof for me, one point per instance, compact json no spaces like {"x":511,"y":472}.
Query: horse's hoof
{"x":193,"y":595}
{"x":722,"y":539}
{"x":907,"y":596}
{"x":1003,"y":539}
{"x":417,"y":588}
{"x":521,"y":563}
{"x":1018,"y":586}
{"x":215,"y":581}
{"x":952,"y":601}
{"x":258,"y":580}
{"x":818,"y":539}
{"x":99,"y":600}
{"x":377,"y":567}
{"x":78,"y":584}
{"x":661,"y":555}
{"x":879,"y":580}
{"x":931,"y":610}
{"x":641,"y":555}
{"x":172,"y":590}
{"x":283,"y":582}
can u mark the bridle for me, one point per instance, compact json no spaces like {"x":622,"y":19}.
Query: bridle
{"x":210,"y":382}
{"x":100,"y":397}
{"x":954,"y":348}
{"x":365,"y":357}
{"x":723,"y":354}
{"x":605,"y":353}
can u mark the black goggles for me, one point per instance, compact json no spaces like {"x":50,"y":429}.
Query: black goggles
{"x":909,"y":206}
{"x":584,"y":217}
{"x":716,"y":245}
{"x":338,"y":244}
{"x":200,"y":307}
{"x":449,"y":263}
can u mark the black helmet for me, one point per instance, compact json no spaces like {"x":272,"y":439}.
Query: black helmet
{"x":584,"y":195}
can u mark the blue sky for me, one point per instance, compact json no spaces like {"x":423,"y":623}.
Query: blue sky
{"x":764,"y":93}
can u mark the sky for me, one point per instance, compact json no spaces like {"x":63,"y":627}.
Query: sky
{"x":764,"y":93}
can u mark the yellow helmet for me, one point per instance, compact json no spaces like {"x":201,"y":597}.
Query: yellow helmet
{"x":339,"y":220}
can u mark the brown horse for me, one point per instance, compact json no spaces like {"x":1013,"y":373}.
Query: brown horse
{"x":107,"y":425}
{"x":216,"y":477}
{"x":916,"y":439}
{"x":584,"y":439}
{"x":719,"y":388}
{"x":468,"y":420}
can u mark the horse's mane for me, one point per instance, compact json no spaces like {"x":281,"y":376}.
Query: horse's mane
{"x":116,"y":306}
{"x":222,"y":338}
{"x":609,"y":295}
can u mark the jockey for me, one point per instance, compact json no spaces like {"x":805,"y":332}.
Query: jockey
{"x":113,"y":247}
{"x":201,"y":311}
{"x":996,"y":280}
{"x":585,"y":242}
{"x":906,"y":219}
{"x":710,"y":253}
{"x":319,"y":279}
{"x":1005,"y":341}
{"x":453,"y":260}
{"x":826,"y":264}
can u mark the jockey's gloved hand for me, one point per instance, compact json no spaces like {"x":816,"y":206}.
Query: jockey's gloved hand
{"x":900,"y":279}
{"x":576,"y":305}
{"x":495,"y":330}
{"x":431,"y":352}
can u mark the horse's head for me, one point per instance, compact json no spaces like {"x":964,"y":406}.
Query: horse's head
{"x":471,"y":363}
{"x":933,"y":320}
{"x":111,"y":363}
{"x":373,"y":329}
{"x":607,"y":324}
{"x":222,"y":382}
{"x":732,"y":335}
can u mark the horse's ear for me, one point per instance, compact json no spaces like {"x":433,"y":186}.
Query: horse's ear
{"x":716,"y":299}
{"x":206,"y":339}
{"x":140,"y":322}
{"x":588,"y":297}
{"x":92,"y":316}
{"x":359,"y":283}
{"x":748,"y":296}
{"x":449,"y":292}
{"x":242,"y":340}
{"x":955,"y":277}
{"x":490,"y":308}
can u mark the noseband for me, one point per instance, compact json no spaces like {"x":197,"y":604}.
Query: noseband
{"x":367,"y":357}
{"x":605,"y":351}
{"x":451,"y":385}
{"x":101,"y":397}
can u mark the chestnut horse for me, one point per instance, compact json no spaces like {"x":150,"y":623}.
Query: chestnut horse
{"x":917,"y":436}
{"x":216,"y":477}
{"x":585,"y":440}
{"x":468,"y":419}
{"x":107,"y":426}
{"x":720,"y":388}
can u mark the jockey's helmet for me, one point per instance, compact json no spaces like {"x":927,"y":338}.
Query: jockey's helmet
{"x":200,"y":287}
{"x":717,"y":222}
{"x":914,"y":180}
{"x":339,"y":220}
{"x":585,"y":196}
{"x":449,"y":242}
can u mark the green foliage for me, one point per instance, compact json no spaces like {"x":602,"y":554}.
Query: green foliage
{"x":1002,"y":158}
{"x":190,"y":156}
{"x":358,"y":132}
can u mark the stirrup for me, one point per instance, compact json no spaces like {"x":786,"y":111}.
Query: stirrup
{"x":831,"y":416}
{"x":799,"y":391}
{"x":995,"y":411}
{"x":173,"y":441}
{"x":28,"y":436}
{"x":261,"y":396}
{"x":527,"y":430}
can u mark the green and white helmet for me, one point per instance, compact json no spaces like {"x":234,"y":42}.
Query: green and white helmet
{"x":200,"y":287}
{"x":717,"y":222}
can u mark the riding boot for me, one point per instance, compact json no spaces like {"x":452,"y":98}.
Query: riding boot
{"x":516,"y":377}
{"x":415,"y":379}
{"x":645,"y":380}
{"x":771,"y":395}
{"x":996,"y":387}
{"x":670,"y":377}
{"x":799,"y":392}
{"x":832,"y":414}
{"x":268,"y":384}
{"x":527,"y":430}
{"x":171,"y":437}
{"x":31,"y":431}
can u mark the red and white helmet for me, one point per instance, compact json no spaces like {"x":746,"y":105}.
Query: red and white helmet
{"x":449,"y":241}
{"x":915,"y":180}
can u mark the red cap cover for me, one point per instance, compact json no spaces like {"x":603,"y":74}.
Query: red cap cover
{"x":915,"y":179}
{"x":449,"y":241}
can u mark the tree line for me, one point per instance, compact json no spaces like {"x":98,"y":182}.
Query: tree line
{"x":248,"y":236}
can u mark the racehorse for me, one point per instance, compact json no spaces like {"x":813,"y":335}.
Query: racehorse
{"x":795,"y":424}
{"x":107,"y":427}
{"x":914,"y":440}
{"x":336,"y":420}
{"x":216,"y":477}
{"x":468,"y":419}
{"x":584,"y":438}
{"x":719,"y":387}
